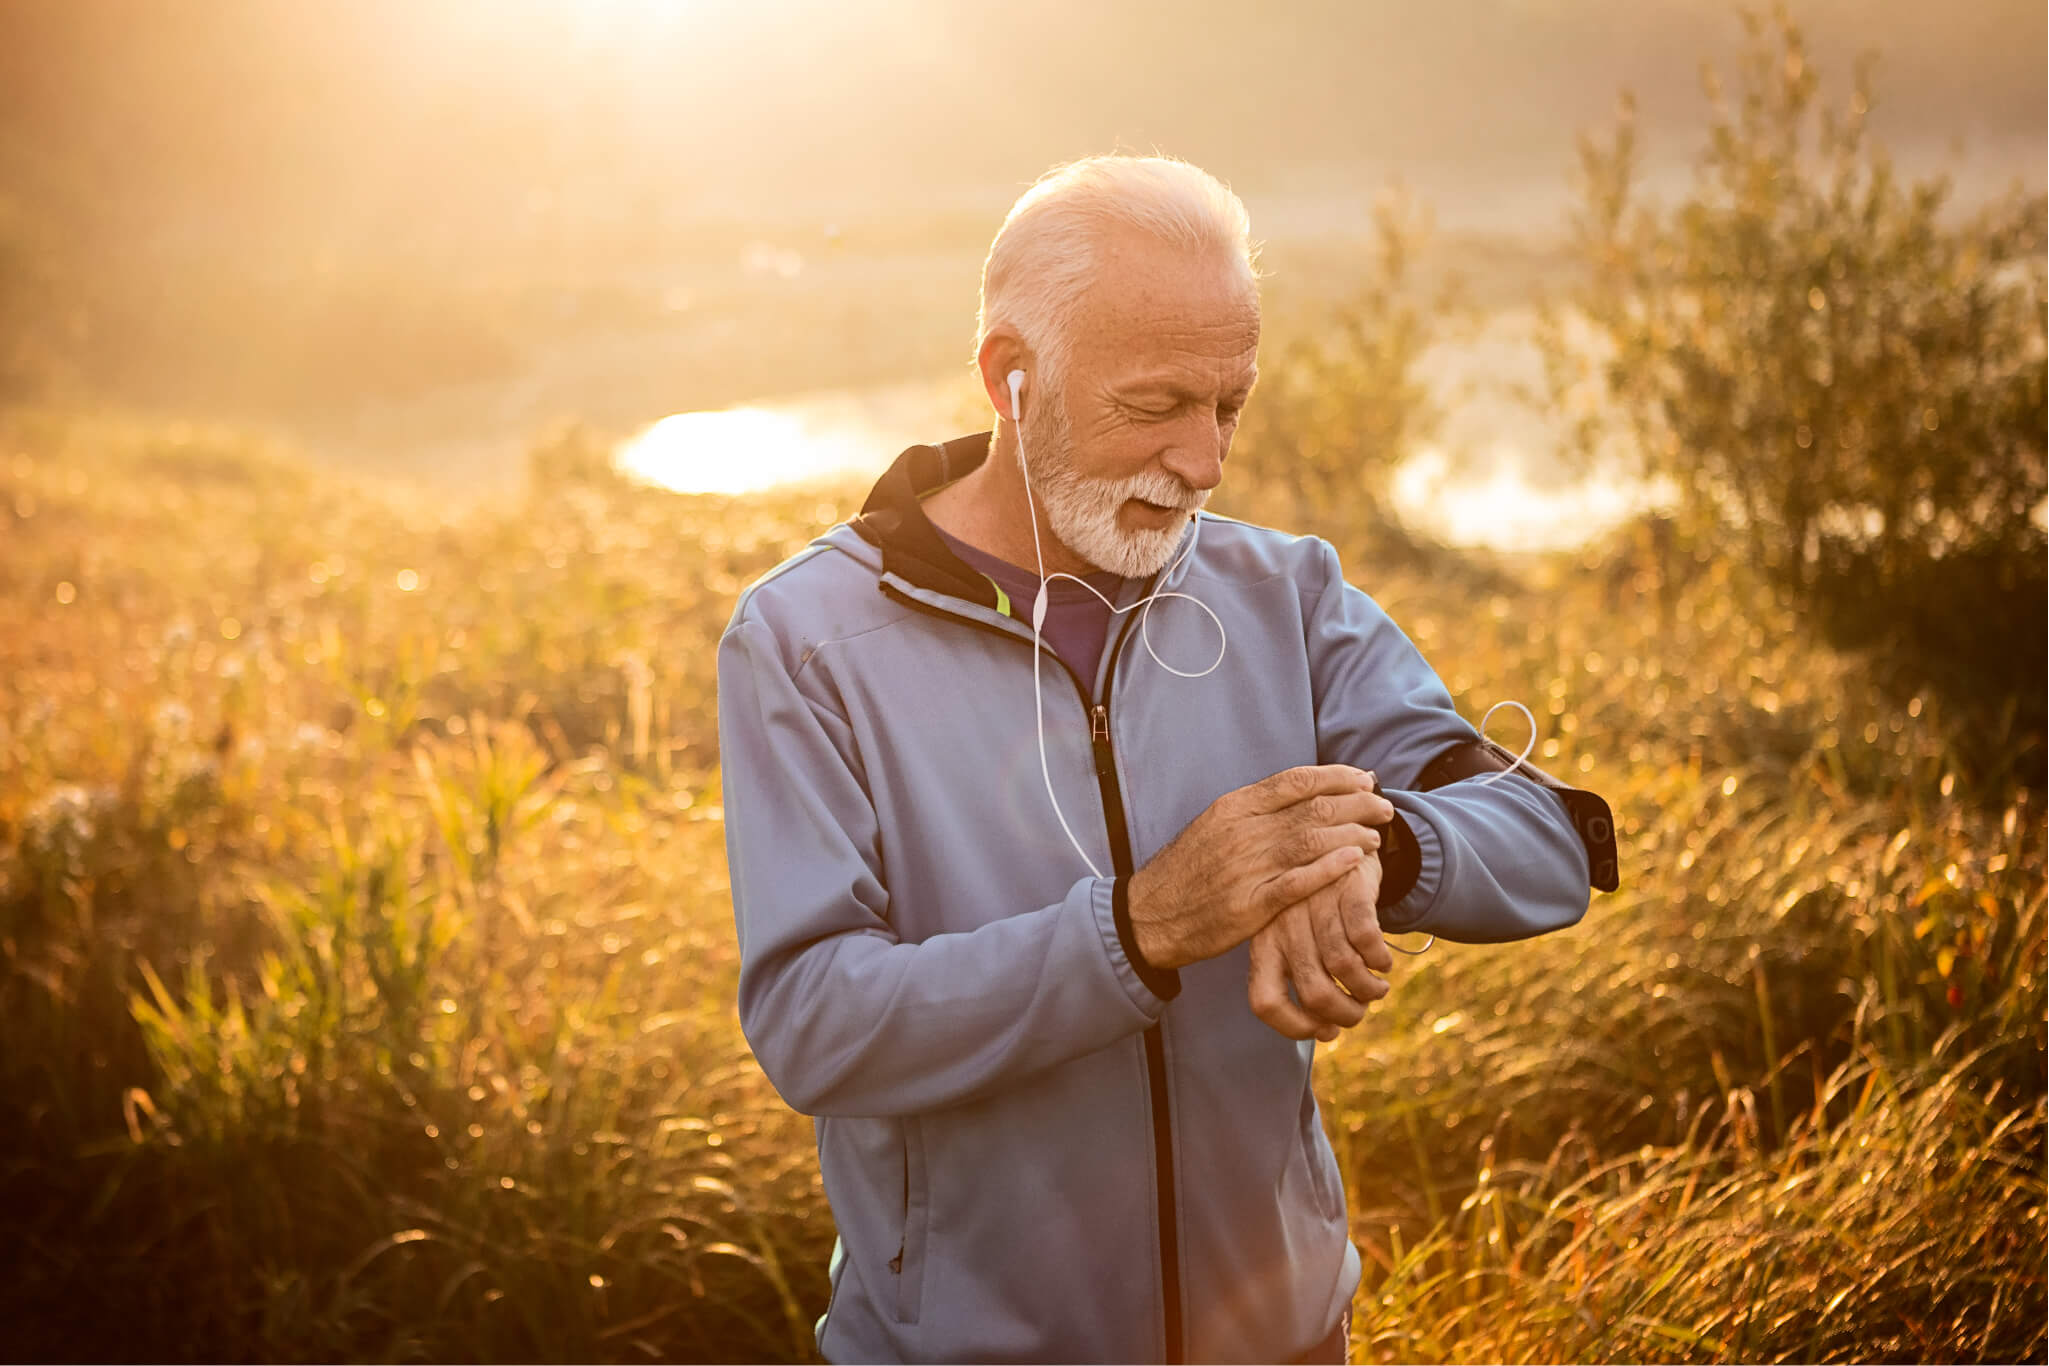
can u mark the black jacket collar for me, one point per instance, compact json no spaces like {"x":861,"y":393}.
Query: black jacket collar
{"x":893,"y":521}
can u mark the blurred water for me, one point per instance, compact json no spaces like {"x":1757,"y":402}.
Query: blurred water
{"x":1493,"y":474}
{"x":825,"y":434}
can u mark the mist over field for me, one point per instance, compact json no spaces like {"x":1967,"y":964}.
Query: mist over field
{"x":421,"y":234}
{"x":395,"y":398}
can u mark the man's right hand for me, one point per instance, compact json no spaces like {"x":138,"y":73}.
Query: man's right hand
{"x":1254,"y":853}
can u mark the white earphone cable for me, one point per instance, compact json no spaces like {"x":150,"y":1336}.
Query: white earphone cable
{"x":1494,"y":777}
{"x":1528,"y":745}
{"x":1039,"y":603}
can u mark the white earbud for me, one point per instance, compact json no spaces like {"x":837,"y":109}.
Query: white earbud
{"x":1016,"y":383}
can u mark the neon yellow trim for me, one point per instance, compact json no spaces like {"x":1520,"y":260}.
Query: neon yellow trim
{"x":1002,"y":598}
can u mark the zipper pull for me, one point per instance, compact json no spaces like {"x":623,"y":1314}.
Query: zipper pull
{"x":1099,"y":738}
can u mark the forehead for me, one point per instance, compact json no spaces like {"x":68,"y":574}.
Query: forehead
{"x":1158,"y":309}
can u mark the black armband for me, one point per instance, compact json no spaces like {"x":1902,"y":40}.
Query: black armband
{"x":1591,"y":818}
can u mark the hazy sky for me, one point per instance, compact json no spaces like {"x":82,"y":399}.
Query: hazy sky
{"x":375,"y":120}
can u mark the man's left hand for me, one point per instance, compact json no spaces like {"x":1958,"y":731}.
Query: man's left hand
{"x":1331,"y":938}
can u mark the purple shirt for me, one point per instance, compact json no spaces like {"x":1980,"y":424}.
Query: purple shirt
{"x":1077,"y":621}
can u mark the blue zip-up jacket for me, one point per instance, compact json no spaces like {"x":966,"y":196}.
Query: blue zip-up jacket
{"x":1036,"y":1147}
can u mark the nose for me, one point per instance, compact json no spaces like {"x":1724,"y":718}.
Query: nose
{"x":1196,"y":457}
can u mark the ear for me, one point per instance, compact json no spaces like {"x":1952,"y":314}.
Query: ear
{"x":1003,"y":351}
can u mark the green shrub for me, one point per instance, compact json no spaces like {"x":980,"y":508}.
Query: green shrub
{"x":1842,"y":375}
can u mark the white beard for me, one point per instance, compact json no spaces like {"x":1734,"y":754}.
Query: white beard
{"x":1083,"y":511}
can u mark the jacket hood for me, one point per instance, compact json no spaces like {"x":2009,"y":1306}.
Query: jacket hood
{"x":893,"y":521}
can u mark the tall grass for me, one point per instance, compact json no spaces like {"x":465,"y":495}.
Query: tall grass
{"x":368,"y":961}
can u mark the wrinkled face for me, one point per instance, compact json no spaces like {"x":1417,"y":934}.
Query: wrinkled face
{"x":1132,"y":435}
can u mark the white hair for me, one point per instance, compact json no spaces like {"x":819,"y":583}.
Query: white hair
{"x":1044,"y":257}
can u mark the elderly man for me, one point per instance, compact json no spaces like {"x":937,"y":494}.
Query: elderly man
{"x":1043,"y":896}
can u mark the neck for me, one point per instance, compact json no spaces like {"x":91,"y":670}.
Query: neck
{"x":988,"y":509}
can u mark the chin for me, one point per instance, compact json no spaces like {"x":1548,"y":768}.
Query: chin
{"x":1139,"y":555}
{"x":1090,"y":521}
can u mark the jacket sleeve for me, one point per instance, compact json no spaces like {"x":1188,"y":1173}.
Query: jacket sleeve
{"x":844,"y":1018}
{"x":1492,"y":861}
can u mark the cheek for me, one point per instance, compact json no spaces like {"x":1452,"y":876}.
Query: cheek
{"x":1116,"y":448}
{"x":1137,"y":449}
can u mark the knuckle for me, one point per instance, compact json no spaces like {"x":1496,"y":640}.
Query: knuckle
{"x":1370,"y":945}
{"x":1291,"y":886}
{"x":1321,"y":809}
{"x":1320,"y":994}
{"x":1299,"y":848}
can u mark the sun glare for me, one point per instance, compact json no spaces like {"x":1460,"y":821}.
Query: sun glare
{"x":1505,"y":507}
{"x":806,"y":437}
{"x":739,"y":450}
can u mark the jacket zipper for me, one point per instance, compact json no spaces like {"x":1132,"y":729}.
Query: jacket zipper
{"x":1155,"y":1041}
{"x":1155,"y":1044}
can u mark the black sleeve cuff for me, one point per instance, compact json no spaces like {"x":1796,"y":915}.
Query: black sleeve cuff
{"x":1401,"y":862}
{"x":1164,"y":983}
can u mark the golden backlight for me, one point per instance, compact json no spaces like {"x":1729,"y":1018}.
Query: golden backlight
{"x":398,"y":398}
{"x":805,"y":438}
{"x":741,"y":450}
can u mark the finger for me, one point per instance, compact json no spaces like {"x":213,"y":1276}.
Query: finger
{"x":1358,"y":907}
{"x":1311,"y":843}
{"x":1328,"y":922}
{"x":1314,"y":987}
{"x":1292,"y":785}
{"x":1301,"y":882}
{"x":1357,"y":807}
{"x":1266,"y":987}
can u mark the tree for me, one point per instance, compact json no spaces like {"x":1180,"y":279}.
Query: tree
{"x":1838,"y":372}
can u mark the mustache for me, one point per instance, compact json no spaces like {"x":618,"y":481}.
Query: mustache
{"x":1160,"y":489}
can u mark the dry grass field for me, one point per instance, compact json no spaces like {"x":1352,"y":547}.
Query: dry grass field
{"x":367,"y":965}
